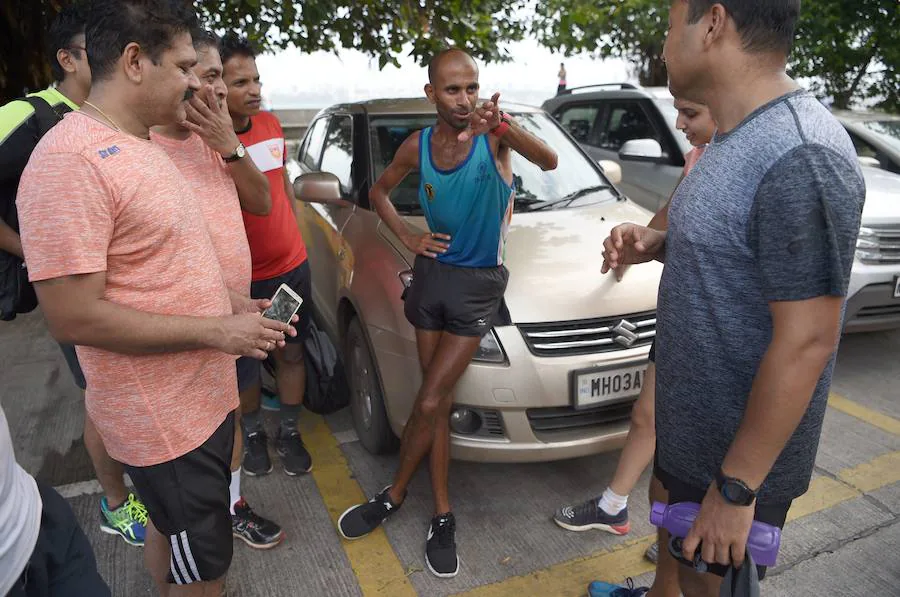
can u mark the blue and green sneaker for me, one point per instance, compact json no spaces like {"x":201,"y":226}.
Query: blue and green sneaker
{"x":129,"y":520}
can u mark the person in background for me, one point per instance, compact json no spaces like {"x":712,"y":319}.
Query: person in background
{"x":279,"y":257}
{"x":225,"y":180}
{"x":562,"y":79}
{"x":609,"y":511}
{"x":121,"y":513}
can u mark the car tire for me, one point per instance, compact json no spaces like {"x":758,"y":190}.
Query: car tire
{"x":366,"y":398}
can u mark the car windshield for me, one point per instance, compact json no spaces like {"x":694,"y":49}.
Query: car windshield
{"x":574,"y":183}
{"x":888,"y":130}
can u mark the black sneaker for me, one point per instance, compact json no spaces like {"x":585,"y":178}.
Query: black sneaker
{"x":253,"y":529}
{"x":589,"y":515}
{"x":294,"y":458}
{"x":362,"y":519}
{"x":440,"y":548}
{"x":256,"y":459}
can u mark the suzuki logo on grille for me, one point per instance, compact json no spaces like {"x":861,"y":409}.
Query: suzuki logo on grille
{"x":624,"y":333}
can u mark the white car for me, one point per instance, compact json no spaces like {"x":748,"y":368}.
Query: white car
{"x":874,"y":294}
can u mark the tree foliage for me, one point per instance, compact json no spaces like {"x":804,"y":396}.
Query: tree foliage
{"x":846,"y":49}
{"x":631,"y":29}
{"x":850,"y":50}
{"x":383,"y":29}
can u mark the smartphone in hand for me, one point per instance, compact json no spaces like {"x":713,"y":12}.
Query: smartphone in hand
{"x":285,"y":304}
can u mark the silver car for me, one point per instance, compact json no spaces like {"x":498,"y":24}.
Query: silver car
{"x":557,"y":375}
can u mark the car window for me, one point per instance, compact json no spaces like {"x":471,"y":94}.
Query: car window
{"x":313,"y":144}
{"x":889,"y":130}
{"x":576,"y":174}
{"x":625,"y":121}
{"x":579,"y":120}
{"x":337,"y":157}
{"x":864,"y":149}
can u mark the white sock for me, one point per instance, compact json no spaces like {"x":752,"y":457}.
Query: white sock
{"x":235,"y":488}
{"x":612,"y":503}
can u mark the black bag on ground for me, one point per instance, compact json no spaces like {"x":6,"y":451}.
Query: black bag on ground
{"x":326,"y":382}
{"x":16,"y":292}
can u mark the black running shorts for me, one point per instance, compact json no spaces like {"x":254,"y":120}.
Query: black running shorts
{"x":299,"y":280}
{"x":463,"y":301}
{"x":187,"y":500}
{"x":680,"y":491}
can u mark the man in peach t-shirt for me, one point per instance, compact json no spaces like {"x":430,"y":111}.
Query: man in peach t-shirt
{"x":225,"y":181}
{"x":125,"y":269}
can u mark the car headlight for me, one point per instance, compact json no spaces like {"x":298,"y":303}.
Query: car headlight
{"x":490,"y":350}
{"x":868,"y":246}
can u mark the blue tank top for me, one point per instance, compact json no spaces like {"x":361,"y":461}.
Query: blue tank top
{"x":472,"y":203}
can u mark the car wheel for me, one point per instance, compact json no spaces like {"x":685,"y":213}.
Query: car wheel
{"x":366,"y":398}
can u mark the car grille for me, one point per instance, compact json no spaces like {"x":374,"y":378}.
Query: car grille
{"x":590,"y":336}
{"x":879,"y":244}
{"x":878,"y":311}
{"x":566,"y":418}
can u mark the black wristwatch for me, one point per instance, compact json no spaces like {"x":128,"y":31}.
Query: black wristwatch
{"x":734,"y":491}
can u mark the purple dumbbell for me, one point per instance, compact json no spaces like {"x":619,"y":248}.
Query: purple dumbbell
{"x":678,"y":519}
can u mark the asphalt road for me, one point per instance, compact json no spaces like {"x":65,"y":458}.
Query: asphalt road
{"x":843,"y":537}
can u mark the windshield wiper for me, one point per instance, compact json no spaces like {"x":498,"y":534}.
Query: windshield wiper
{"x":571,"y":197}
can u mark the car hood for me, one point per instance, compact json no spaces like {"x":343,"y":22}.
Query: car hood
{"x":882,"y":197}
{"x":554,"y":259}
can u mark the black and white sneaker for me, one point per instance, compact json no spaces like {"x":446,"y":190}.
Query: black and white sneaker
{"x":295,"y":459}
{"x":589,"y":515}
{"x":361,"y":520}
{"x":256,"y":459}
{"x":253,"y":529}
{"x":440,"y":547}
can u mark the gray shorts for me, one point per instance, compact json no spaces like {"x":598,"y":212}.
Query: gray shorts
{"x":248,"y":372}
{"x":463,"y":301}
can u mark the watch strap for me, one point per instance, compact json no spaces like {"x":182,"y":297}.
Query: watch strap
{"x":746,"y":495}
{"x":502,"y":128}
{"x":235,"y":155}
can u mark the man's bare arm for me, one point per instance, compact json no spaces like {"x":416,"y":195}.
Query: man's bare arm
{"x":405,"y":161}
{"x":289,"y":189}
{"x":252,"y":186}
{"x":529,"y":146}
{"x":805,"y":335}
{"x":77,"y":313}
{"x":10,"y":241}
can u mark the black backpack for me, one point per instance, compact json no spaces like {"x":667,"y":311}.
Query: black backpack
{"x":16,"y":292}
{"x":327,"y":390}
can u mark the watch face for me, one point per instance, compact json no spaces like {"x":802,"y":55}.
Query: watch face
{"x":240,"y":151}
{"x":735,"y":493}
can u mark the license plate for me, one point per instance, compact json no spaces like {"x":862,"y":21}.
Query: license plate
{"x":896,"y":286}
{"x":597,"y":386}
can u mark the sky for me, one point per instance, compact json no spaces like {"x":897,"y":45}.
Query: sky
{"x":292,"y":79}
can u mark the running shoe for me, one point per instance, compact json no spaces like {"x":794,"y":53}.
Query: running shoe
{"x":440,"y":547}
{"x":362,"y":519}
{"x":253,"y":529}
{"x":295,"y":459}
{"x":652,"y":553}
{"x":128,"y":521}
{"x":589,"y":515}
{"x":270,"y":402}
{"x":598,"y":588}
{"x":256,"y":459}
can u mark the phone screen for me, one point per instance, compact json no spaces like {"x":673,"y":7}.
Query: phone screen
{"x":283,"y":308}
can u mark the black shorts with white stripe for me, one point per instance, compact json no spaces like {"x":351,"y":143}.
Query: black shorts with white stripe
{"x":187,"y":500}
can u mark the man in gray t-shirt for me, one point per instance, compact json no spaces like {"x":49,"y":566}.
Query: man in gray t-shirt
{"x":757,"y":261}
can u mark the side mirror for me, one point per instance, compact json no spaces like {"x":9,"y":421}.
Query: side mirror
{"x":318,"y":187}
{"x":869,"y":161}
{"x":641,"y":150}
{"x":612,"y":170}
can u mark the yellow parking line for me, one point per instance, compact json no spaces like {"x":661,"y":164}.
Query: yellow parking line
{"x":884,"y":470}
{"x":626,"y":559}
{"x":376,"y":566}
{"x":872,"y":417}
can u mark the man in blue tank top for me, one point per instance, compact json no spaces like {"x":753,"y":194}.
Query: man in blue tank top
{"x":466,"y":192}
